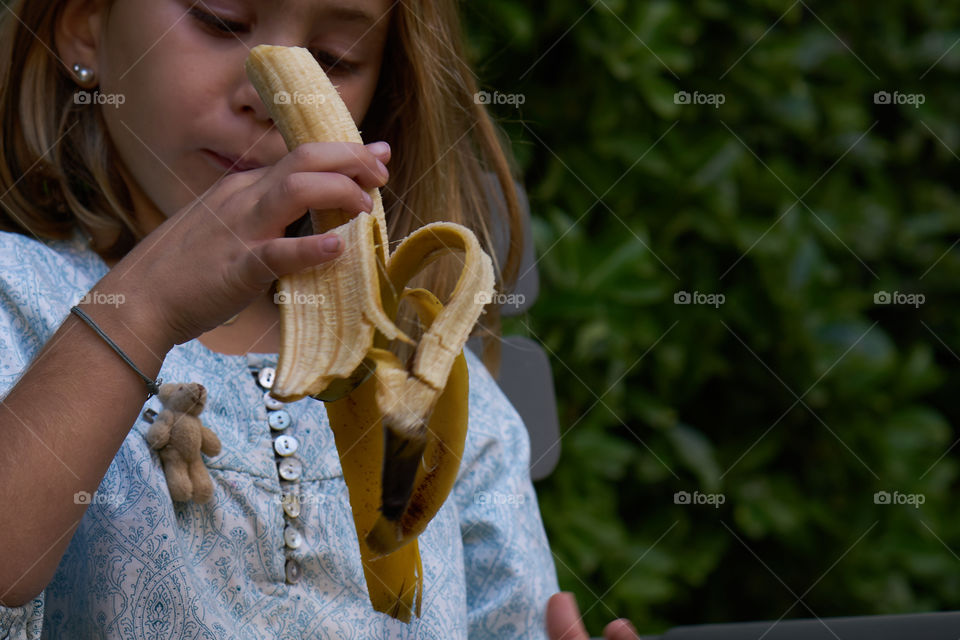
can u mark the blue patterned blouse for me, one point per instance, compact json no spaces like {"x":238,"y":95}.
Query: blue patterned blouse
{"x":141,"y":566}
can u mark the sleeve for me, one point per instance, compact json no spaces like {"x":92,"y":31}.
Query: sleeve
{"x":509,"y":567}
{"x":22,"y":623}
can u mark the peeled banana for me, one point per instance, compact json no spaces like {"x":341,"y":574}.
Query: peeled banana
{"x":399,"y":426}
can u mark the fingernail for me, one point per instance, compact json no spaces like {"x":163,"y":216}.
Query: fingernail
{"x":379,"y":148}
{"x":383,"y":169}
{"x":368,"y":200}
{"x":330,"y":244}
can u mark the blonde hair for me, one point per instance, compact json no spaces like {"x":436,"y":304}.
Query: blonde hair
{"x":57,"y":168}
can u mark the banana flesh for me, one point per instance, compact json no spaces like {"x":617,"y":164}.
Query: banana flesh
{"x":399,"y":427}
{"x":329,"y":341}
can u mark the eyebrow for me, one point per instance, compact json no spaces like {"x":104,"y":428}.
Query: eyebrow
{"x":350,"y":14}
{"x":339,"y":11}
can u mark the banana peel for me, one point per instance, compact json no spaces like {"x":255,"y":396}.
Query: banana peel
{"x":395,"y":579}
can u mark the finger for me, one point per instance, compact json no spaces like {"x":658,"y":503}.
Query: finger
{"x":297,"y":192}
{"x":563,"y":618}
{"x":234,"y":182}
{"x":281,"y":256}
{"x":620,"y":629}
{"x":381,"y":149}
{"x":229,"y":185}
{"x":351,"y":159}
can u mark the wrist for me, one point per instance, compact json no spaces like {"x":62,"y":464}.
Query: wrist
{"x":129,"y":320}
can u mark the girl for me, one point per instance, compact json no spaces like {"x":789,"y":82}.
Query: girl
{"x":142,"y":177}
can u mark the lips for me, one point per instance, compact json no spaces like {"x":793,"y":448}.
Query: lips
{"x":232,"y":163}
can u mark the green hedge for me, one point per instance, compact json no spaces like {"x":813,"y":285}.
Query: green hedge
{"x":797,"y":398}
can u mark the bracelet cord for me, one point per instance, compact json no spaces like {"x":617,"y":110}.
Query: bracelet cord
{"x":153,"y":388}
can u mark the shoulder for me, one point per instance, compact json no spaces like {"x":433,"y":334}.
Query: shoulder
{"x":496,"y":433}
{"x":39,"y":281}
{"x":489,"y":406}
{"x":46,"y":268}
{"x":21,"y":253}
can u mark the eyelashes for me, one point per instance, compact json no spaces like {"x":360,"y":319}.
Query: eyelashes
{"x":215,"y":22}
{"x":332,"y":61}
{"x":223,"y":27}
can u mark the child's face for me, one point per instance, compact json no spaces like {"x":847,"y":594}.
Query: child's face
{"x":185,"y":92}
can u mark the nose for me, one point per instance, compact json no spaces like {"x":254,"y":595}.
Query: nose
{"x":278,"y":34}
{"x":250,"y":102}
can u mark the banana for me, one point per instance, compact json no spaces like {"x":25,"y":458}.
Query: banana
{"x":329,"y":342}
{"x":399,"y":427}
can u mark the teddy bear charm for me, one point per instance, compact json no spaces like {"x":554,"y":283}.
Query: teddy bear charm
{"x":180,"y":437}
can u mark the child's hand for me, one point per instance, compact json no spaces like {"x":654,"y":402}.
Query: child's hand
{"x":564,"y":621}
{"x":215,"y":256}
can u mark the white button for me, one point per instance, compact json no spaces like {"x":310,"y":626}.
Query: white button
{"x":290,"y":469}
{"x":291,"y":504}
{"x":279,"y":420}
{"x":292,"y":537}
{"x":271,"y":403}
{"x":265,"y":377}
{"x":285,"y":445}
{"x":292,"y":571}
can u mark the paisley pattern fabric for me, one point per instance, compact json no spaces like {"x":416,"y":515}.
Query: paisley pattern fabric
{"x":142,"y":566}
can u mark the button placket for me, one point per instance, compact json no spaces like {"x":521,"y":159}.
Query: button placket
{"x":265,"y":377}
{"x":279,"y":419}
{"x":285,"y":445}
{"x":289,"y":468}
{"x":292,"y":571}
{"x":270,"y":402}
{"x":292,"y":537}
{"x":291,"y":503}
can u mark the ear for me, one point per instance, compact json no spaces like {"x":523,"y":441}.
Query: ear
{"x":76,"y":33}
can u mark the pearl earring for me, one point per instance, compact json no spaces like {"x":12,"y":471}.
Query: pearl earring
{"x":83,"y":74}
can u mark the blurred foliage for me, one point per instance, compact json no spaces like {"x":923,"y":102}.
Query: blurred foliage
{"x":799,"y":397}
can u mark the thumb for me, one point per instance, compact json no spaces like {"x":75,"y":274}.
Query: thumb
{"x":563,"y":618}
